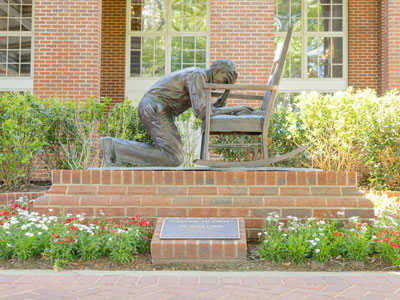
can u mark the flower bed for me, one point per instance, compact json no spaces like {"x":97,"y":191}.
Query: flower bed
{"x":25,"y":234}
{"x":322,"y":240}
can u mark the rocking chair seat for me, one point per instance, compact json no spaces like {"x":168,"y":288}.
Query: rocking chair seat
{"x":250,"y":123}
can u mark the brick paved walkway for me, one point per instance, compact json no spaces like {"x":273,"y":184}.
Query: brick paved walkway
{"x":197,"y":285}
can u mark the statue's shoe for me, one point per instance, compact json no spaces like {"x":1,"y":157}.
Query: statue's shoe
{"x":108,"y":153}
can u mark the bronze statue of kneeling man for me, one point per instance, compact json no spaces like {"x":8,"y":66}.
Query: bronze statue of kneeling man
{"x":166,"y":99}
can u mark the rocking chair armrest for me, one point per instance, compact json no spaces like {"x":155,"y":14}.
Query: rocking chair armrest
{"x":252,"y":87}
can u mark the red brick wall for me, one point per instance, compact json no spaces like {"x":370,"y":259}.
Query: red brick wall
{"x":67,"y":48}
{"x":363,"y":41}
{"x":390,"y":45}
{"x":247,"y":194}
{"x":243,"y":31}
{"x":113,"y":33}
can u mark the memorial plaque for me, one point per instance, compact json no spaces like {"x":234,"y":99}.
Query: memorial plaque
{"x":193,"y":229}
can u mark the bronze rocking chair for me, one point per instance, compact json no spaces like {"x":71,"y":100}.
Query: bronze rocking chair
{"x":255,"y":123}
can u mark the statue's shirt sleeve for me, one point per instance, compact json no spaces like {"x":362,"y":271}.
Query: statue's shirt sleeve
{"x":197,"y":94}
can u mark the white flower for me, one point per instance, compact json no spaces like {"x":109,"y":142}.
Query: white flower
{"x":317,"y":250}
{"x":284,"y":234}
{"x":50,"y":209}
{"x":317,"y":239}
{"x":259,"y":234}
{"x":340,"y":213}
{"x":23,"y":227}
{"x":29,"y":234}
{"x":8,"y":245}
{"x":39,"y":233}
{"x":101,"y":212}
{"x":266,"y":233}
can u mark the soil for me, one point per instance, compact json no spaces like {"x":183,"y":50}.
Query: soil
{"x":39,"y":186}
{"x":253,"y":263}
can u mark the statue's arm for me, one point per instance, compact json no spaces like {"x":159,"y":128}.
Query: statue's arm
{"x":221,"y":100}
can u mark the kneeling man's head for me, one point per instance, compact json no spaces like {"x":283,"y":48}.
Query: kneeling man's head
{"x":224,"y":71}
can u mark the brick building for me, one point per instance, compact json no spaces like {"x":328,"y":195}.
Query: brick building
{"x":117,"y":48}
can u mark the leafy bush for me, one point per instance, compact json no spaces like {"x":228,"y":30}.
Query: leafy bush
{"x":322,"y":240}
{"x":25,"y":234}
{"x":353,"y":130}
{"x":73,"y":128}
{"x":350,"y":130}
{"x":21,"y":138}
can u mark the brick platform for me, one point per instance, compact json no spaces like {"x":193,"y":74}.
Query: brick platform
{"x":251,"y":195}
{"x":198,"y":251}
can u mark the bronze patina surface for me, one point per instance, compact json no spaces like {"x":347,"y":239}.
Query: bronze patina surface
{"x":166,"y":99}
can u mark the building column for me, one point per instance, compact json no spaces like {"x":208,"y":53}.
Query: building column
{"x":67,"y":48}
{"x":363,"y":44}
{"x":390,"y":45}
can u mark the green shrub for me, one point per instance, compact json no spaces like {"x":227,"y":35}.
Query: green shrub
{"x":353,"y":130}
{"x":350,"y":130}
{"x":73,"y":128}
{"x":322,"y":240}
{"x":21,"y":138}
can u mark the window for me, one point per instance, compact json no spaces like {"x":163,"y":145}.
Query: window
{"x":166,"y":35}
{"x":15,"y":38}
{"x":317,"y":58}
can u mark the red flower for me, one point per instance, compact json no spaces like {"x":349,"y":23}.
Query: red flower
{"x":337,"y":234}
{"x":74,"y":228}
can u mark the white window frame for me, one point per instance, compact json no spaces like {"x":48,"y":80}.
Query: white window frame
{"x":317,"y":84}
{"x":138,"y":85}
{"x":20,"y":84}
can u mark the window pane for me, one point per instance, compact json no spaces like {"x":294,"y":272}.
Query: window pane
{"x":152,"y":57}
{"x":14,"y":42}
{"x":189,"y":15}
{"x":3,"y":24}
{"x":3,"y":10}
{"x":3,"y":70}
{"x":25,"y":70}
{"x":3,"y":42}
{"x":148,"y":15}
{"x":323,"y":16}
{"x":14,"y":24}
{"x":3,"y":57}
{"x":325,"y":57}
{"x":287,"y":13}
{"x":25,"y":42}
{"x":188,"y":52}
{"x":337,"y":25}
{"x":12,"y":70}
{"x":292,"y":68}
